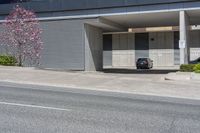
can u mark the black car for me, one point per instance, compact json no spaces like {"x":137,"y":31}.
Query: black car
{"x":144,"y":63}
{"x":197,"y":61}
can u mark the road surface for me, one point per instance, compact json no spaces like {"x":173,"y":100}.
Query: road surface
{"x":36,"y":109}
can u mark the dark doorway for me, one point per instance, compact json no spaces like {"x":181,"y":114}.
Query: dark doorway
{"x":176,"y":48}
{"x":141,"y":45}
{"x":107,"y":50}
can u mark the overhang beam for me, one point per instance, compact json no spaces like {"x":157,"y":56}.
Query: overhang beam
{"x":107,"y":25}
{"x":154,"y":29}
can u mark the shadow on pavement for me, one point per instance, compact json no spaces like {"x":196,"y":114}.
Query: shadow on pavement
{"x":135,"y":71}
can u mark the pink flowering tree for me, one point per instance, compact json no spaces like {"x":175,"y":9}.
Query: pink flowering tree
{"x":22,"y":36}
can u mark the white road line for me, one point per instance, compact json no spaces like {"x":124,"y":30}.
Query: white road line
{"x":34,"y":106}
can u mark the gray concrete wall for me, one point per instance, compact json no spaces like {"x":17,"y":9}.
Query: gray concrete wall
{"x":70,"y":45}
{"x":123,"y":54}
{"x":2,"y":48}
{"x":93,"y":48}
{"x":63,"y":44}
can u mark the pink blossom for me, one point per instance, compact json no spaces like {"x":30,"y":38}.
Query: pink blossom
{"x":22,"y":35}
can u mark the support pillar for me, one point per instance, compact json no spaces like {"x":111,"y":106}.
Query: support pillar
{"x":184,"y":38}
{"x":93,"y":48}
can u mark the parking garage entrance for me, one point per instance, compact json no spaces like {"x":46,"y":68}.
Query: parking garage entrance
{"x":126,"y":48}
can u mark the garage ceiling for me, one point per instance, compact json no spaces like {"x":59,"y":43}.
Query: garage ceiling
{"x":153,"y":19}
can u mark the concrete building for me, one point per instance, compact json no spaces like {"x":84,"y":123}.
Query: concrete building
{"x":88,"y":35}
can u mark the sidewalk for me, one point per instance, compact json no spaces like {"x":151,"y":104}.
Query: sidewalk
{"x":144,"y":84}
{"x":183,"y":76}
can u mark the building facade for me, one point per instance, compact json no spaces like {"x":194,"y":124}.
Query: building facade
{"x":88,"y":35}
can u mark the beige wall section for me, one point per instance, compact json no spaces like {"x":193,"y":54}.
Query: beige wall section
{"x":123,"y":54}
{"x":161,"y":48}
{"x":194,"y":45}
{"x":93,"y":48}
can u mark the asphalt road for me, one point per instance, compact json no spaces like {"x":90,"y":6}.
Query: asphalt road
{"x":34,"y":109}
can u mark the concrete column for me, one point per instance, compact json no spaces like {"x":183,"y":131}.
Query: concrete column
{"x":184,"y":38}
{"x":93,"y":48}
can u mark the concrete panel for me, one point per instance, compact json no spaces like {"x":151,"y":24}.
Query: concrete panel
{"x":194,"y":45}
{"x":169,"y":40}
{"x":162,"y":57}
{"x":63,"y":45}
{"x":116,"y":60}
{"x":194,"y":39}
{"x":107,"y":59}
{"x":194,"y":53}
{"x":131,"y":41}
{"x":131,"y":51}
{"x":123,"y":42}
{"x":93,"y":48}
{"x":116,"y":42}
{"x":2,"y":48}
{"x":123,"y":60}
{"x":161,"y":50}
{"x":123,"y":53}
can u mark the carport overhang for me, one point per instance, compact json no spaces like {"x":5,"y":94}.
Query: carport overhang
{"x":122,"y":22}
{"x":175,"y":18}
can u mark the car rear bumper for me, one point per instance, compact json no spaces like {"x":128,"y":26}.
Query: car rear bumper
{"x":143,"y":66}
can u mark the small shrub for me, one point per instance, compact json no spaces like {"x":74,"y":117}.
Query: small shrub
{"x":187,"y":68}
{"x":197,"y":68}
{"x":7,"y":60}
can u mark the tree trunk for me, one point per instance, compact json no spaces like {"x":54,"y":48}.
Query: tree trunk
{"x":20,"y":60}
{"x":20,"y":63}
